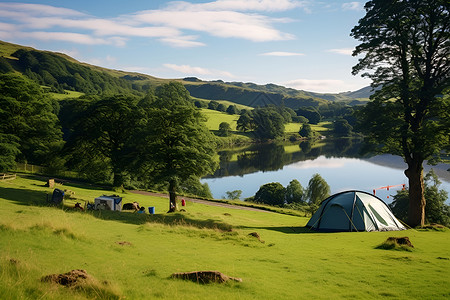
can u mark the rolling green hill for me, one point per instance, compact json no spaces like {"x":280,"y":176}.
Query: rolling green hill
{"x":60,"y":73}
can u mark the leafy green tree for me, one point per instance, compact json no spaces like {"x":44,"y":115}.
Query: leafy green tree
{"x":224,"y":129}
{"x":175,"y":143}
{"x":213,"y":105}
{"x":341,"y":127}
{"x":306,"y":131}
{"x":436,"y":210}
{"x":318,"y":190}
{"x":104,"y":133}
{"x":294,"y":192}
{"x":9,"y":149}
{"x":232,"y":110}
{"x":271,"y":194}
{"x":310,"y":113}
{"x":221,"y":107}
{"x":268,"y":122}
{"x":234,"y":195}
{"x":29,"y":127}
{"x":245,"y":123}
{"x":405,"y":48}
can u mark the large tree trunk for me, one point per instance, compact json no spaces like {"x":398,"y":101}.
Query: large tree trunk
{"x":416,"y":210}
{"x":118,"y":178}
{"x":172,"y":195}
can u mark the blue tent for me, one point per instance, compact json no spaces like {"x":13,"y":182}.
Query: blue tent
{"x":354,"y":211}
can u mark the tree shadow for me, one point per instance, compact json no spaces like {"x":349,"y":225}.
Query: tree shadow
{"x":284,"y":229}
{"x":28,"y":197}
{"x":24,"y":196}
{"x":172,"y":219}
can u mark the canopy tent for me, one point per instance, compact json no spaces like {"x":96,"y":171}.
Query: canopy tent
{"x":354,"y":211}
{"x":108,"y":203}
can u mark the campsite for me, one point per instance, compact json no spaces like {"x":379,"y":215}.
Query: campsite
{"x":132,"y":256}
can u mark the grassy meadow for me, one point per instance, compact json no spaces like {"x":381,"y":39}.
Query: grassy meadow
{"x":131,"y":256}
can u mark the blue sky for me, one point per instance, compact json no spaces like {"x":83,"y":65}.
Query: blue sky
{"x":300,"y":44}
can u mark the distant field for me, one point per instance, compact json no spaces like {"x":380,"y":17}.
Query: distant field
{"x":68,"y":94}
{"x":226,"y":103}
{"x":131,"y":256}
{"x":217,"y":117}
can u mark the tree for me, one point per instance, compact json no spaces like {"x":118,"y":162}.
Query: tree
{"x":406,"y":46}
{"x":271,"y":194}
{"x":310,"y":113}
{"x":436,"y":210}
{"x":294,"y":192}
{"x":175,"y":142}
{"x":232,"y":110}
{"x":342,"y":128}
{"x":234,"y":195}
{"x":29,"y":127}
{"x":306,"y":131}
{"x":213,"y":105}
{"x":268,"y":122}
{"x":318,"y":190}
{"x":245,"y":123}
{"x":224,"y":129}
{"x":105,"y":132}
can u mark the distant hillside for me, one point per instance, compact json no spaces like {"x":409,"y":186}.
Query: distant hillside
{"x":61,"y":72}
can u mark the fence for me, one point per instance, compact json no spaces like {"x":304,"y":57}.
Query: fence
{"x":28,"y":168}
{"x":4,"y":176}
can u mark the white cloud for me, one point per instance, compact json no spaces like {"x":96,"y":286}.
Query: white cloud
{"x":319,"y":85}
{"x":281,"y":53}
{"x":221,"y":18}
{"x":69,"y":37}
{"x":182,"y":41}
{"x":190,"y":70}
{"x":357,"y":6}
{"x":319,"y":162}
{"x":343,"y":51}
{"x":227,"y":24}
{"x":240,"y":5}
{"x":36,"y":9}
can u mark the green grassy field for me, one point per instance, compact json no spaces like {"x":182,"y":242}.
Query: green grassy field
{"x":131,"y":256}
{"x":216,"y":117}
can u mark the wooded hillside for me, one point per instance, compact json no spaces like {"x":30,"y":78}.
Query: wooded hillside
{"x":62,"y":73}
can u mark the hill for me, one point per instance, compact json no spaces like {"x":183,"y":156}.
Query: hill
{"x":62,"y":73}
{"x":131,"y":256}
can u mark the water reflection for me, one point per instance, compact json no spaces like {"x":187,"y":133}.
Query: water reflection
{"x":273,"y":157}
{"x":338,"y":162}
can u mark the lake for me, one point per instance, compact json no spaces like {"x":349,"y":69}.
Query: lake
{"x":337,"y":161}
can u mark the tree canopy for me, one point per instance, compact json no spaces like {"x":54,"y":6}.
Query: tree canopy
{"x":175,"y":143}
{"x":405,"y":48}
{"x":29,"y":127}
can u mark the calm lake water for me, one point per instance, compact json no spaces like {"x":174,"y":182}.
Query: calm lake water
{"x":338,"y":162}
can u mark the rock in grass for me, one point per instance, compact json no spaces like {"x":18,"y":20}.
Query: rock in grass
{"x":67,"y":279}
{"x":205,"y":277}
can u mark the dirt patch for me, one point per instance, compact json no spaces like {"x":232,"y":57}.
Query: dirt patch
{"x":397,"y":243}
{"x":68,"y":279}
{"x":401,"y":241}
{"x":256,"y":235}
{"x":205,"y":277}
{"x":124,"y":243}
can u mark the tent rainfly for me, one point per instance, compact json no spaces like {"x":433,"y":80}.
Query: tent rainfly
{"x":354,"y":211}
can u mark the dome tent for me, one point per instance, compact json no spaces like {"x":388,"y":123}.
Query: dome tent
{"x":354,"y":211}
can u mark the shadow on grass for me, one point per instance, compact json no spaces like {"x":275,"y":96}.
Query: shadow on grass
{"x":172,"y":219}
{"x":24,"y":196}
{"x":286,"y":229}
{"x":39,"y":198}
